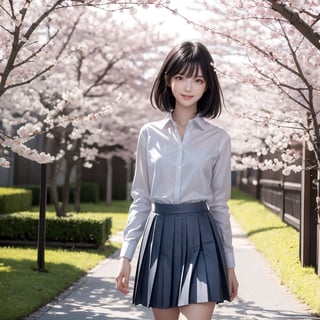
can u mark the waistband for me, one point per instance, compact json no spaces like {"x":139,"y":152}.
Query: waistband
{"x":165,"y":208}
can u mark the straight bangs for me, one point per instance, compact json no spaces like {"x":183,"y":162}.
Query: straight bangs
{"x":189,"y":67}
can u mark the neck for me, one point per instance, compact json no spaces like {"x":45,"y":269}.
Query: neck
{"x":182,"y":118}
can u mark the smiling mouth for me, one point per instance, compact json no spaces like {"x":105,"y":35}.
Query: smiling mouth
{"x":186,"y":97}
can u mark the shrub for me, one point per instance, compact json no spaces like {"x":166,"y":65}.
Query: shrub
{"x":14,"y":200}
{"x":35,"y":189}
{"x":77,"y":229}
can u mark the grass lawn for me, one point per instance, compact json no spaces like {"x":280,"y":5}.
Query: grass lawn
{"x":23,"y":289}
{"x":279,"y":243}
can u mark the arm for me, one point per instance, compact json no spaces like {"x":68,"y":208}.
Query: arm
{"x":141,"y":205}
{"x":221,"y":189}
{"x":138,"y":214}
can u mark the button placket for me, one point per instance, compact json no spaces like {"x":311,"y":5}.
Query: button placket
{"x":178,"y":173}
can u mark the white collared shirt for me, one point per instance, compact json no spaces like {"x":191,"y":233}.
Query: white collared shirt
{"x":171,"y":170}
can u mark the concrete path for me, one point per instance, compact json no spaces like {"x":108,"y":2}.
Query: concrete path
{"x":261,"y":296}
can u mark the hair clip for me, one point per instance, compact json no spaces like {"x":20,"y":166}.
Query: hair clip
{"x":213,"y":66}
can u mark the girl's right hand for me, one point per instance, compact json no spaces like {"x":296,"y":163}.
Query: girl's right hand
{"x":123,"y":276}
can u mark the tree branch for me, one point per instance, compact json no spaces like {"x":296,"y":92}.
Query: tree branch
{"x":6,"y":11}
{"x":18,"y":44}
{"x":44,"y":15}
{"x":100,"y":77}
{"x":18,"y":84}
{"x":294,"y":19}
{"x":69,"y":36}
{"x":35,"y":52}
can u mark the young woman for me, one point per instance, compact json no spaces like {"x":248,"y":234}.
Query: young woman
{"x":180,"y":193}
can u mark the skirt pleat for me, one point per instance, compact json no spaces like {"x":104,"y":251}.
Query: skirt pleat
{"x":181,"y":259}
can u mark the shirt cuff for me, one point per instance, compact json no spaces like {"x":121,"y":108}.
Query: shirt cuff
{"x":128,"y":249}
{"x":230,"y":261}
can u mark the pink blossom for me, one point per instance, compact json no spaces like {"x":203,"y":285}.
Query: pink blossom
{"x":29,"y":130}
{"x":4,"y":163}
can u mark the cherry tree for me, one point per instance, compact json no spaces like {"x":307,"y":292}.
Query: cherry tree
{"x":71,"y":104}
{"x":285,"y":61}
{"x":27,"y":51}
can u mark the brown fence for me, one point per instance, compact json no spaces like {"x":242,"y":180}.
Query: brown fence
{"x":293,"y":198}
{"x":280,"y":194}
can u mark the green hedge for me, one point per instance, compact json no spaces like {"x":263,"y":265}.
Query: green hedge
{"x":93,"y":229}
{"x":89,"y":192}
{"x":14,"y":199}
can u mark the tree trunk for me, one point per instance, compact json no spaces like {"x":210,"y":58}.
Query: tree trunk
{"x":128,"y":179}
{"x":109,"y":181}
{"x":77,"y":191}
{"x":308,"y":227}
{"x":318,"y":247}
{"x":66,"y":189}
{"x":317,"y":220}
{"x":61,"y":209}
{"x":53,"y":188}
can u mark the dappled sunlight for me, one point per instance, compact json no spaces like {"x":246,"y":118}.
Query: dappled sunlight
{"x":242,"y":309}
{"x":5,"y":268}
{"x":261,"y":295}
{"x":94,"y":297}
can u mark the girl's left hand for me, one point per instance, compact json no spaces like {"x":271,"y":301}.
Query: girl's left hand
{"x":233,"y":283}
{"x":122,"y":278}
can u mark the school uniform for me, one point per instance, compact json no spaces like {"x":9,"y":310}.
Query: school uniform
{"x":180,"y":192}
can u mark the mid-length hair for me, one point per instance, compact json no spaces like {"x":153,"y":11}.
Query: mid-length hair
{"x":186,"y":59}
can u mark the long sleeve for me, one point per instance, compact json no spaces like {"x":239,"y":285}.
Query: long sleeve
{"x":221,"y":188}
{"x":141,"y":205}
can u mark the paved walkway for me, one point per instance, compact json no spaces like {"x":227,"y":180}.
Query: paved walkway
{"x":261,"y":296}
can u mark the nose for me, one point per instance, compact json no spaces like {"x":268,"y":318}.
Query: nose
{"x":188,"y":84}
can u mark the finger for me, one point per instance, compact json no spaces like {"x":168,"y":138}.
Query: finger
{"x":232,"y":295}
{"x":122,"y":285}
{"x":234,"y":290}
{"x":231,"y":290}
{"x":126,"y":282}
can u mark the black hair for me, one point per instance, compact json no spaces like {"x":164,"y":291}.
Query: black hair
{"x":186,"y":59}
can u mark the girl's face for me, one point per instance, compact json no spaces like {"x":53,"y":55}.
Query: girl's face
{"x":187,"y":90}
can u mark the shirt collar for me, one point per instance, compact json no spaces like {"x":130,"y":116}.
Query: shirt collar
{"x":197,"y":120}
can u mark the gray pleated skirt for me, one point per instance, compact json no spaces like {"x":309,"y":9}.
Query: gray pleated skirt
{"x":181,"y":258}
